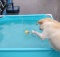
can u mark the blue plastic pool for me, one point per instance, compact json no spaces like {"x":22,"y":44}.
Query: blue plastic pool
{"x":15,"y":43}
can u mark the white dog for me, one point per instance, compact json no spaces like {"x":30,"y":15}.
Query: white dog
{"x":51,"y":30}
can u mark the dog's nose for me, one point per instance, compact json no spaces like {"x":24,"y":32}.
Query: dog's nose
{"x":40,"y":29}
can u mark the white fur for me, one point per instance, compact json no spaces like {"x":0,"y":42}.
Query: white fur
{"x":51,"y":33}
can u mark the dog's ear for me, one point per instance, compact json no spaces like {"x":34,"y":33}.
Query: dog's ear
{"x":40,"y":22}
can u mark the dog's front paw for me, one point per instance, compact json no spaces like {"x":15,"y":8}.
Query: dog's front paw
{"x":33,"y":31}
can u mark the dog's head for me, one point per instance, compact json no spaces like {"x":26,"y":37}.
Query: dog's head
{"x":43,"y":22}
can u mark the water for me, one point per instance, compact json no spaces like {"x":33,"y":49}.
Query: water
{"x":12,"y":33}
{"x":13,"y":36}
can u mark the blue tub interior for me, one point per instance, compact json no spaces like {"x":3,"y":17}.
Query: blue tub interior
{"x":15,"y":43}
{"x":12,"y":32}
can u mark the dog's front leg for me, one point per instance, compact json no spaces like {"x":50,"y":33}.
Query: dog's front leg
{"x":42,"y":35}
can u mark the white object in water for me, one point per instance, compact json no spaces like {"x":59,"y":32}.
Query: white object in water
{"x":0,"y":16}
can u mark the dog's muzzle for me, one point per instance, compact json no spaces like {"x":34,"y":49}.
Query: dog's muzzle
{"x":40,"y":28}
